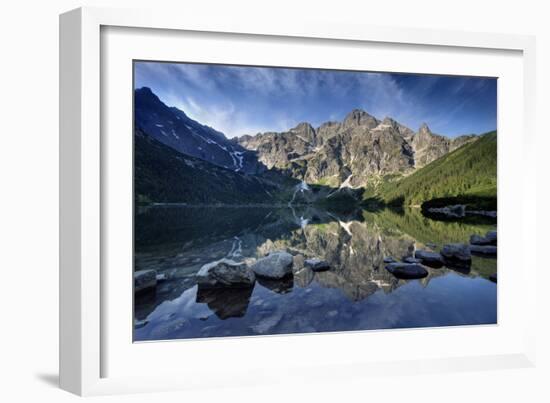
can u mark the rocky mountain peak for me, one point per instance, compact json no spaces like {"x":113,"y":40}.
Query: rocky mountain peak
{"x":389,"y":123}
{"x":360,"y":118}
{"x":305,"y":131}
{"x":144,"y":90}
{"x":147,"y":96}
{"x":424,"y":129}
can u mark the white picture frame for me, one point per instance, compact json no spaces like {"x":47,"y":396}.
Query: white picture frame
{"x":86,"y":346}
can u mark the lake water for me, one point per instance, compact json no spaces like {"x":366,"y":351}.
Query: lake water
{"x":357,"y":293}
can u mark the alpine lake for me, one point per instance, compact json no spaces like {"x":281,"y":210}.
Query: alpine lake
{"x":355,"y":293}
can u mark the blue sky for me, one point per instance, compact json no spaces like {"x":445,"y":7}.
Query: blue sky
{"x":247,"y":100}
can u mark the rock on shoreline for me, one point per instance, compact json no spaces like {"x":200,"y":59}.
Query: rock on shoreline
{"x":431,"y":259}
{"x":489,"y":250}
{"x":276,"y":265}
{"x":317,"y":264}
{"x":457,"y":254}
{"x":225,"y":273}
{"x":407,"y":271}
{"x":410,"y":259}
{"x":489,"y":239}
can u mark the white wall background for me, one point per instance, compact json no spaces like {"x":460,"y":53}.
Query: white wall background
{"x":29,"y":201}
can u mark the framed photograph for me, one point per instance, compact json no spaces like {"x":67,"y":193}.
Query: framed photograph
{"x":252,"y":200}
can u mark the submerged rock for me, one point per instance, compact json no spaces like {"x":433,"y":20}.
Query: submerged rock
{"x":275,"y":265}
{"x":431,"y":259}
{"x":407,"y":271}
{"x":317,"y":264}
{"x":225,"y":273}
{"x":484,"y":250}
{"x":457,"y":254}
{"x":145,"y":280}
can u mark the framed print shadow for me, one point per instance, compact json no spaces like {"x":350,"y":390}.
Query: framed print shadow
{"x":273,"y":200}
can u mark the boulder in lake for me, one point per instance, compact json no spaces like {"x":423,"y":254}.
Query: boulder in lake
{"x":389,"y":259}
{"x":488,"y":250}
{"x":431,"y":259}
{"x":317,"y":264}
{"x":457,"y":256}
{"x":225,"y":273}
{"x":275,"y":265}
{"x":489,"y":239}
{"x":145,"y":280}
{"x":478,"y":240}
{"x":407,"y":271}
{"x":410,"y":259}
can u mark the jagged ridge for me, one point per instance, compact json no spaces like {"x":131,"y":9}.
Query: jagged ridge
{"x":356,"y":151}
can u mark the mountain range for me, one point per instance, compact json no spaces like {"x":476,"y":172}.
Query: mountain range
{"x":181,"y":160}
{"x":353,"y":152}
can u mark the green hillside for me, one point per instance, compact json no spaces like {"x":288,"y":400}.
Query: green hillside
{"x":468,"y":174}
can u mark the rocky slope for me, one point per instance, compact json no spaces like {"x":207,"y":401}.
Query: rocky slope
{"x":351,"y":153}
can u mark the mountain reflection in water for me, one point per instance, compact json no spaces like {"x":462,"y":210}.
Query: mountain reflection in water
{"x":357,"y":293}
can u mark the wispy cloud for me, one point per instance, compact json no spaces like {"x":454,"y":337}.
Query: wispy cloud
{"x":238,"y":100}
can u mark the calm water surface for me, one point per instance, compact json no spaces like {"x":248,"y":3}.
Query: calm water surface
{"x":356,"y":294}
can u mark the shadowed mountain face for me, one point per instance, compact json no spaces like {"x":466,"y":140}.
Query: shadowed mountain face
{"x":174,"y":128}
{"x":163,"y":174}
{"x":352,"y":152}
